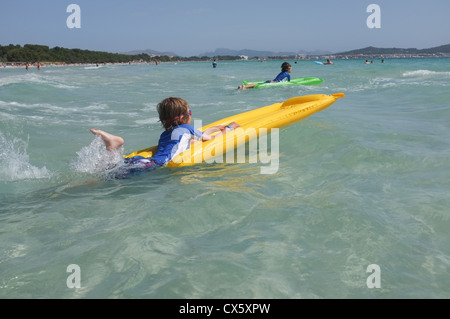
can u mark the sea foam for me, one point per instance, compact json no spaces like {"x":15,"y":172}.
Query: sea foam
{"x":15,"y":162}
{"x":425,"y":73}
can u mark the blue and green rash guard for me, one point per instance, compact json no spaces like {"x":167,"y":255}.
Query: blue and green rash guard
{"x":281,"y":76}
{"x":172,"y":143}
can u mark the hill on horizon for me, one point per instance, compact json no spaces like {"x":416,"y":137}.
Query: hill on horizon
{"x":229,"y":52}
{"x":150,"y":52}
{"x":255,"y":53}
{"x":373,"y":50}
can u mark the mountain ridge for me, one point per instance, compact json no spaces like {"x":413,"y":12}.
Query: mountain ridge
{"x":257,"y":53}
{"x":260,"y":53}
{"x":377,"y":51}
{"x":150,"y":52}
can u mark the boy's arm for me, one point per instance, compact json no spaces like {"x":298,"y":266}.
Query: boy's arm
{"x":213,"y":129}
{"x":222,"y":128}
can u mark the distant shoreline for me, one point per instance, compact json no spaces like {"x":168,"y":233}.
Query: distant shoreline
{"x":16,"y":56}
{"x":20,"y":65}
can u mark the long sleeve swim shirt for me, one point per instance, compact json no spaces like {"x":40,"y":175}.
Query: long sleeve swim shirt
{"x":172,"y":143}
{"x":281,"y":76}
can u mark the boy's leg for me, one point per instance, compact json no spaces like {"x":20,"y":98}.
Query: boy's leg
{"x":112,"y":142}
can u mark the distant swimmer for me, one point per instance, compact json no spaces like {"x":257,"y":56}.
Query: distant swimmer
{"x":284,"y":74}
{"x":214,"y":64}
{"x":328,"y":62}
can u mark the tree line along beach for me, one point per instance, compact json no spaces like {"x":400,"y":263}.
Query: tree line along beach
{"x":41,"y":55}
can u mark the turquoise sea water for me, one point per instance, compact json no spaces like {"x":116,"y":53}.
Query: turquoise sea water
{"x":363,"y":182}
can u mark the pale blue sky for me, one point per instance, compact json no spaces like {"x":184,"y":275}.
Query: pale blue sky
{"x":191,"y":27}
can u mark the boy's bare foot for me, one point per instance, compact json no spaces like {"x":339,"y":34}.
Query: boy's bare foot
{"x":112,"y":142}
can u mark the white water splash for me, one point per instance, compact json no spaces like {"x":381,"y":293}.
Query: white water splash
{"x":95,"y":159}
{"x":15,"y":162}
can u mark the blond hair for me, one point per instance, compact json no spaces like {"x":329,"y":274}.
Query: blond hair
{"x":171,"y":112}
